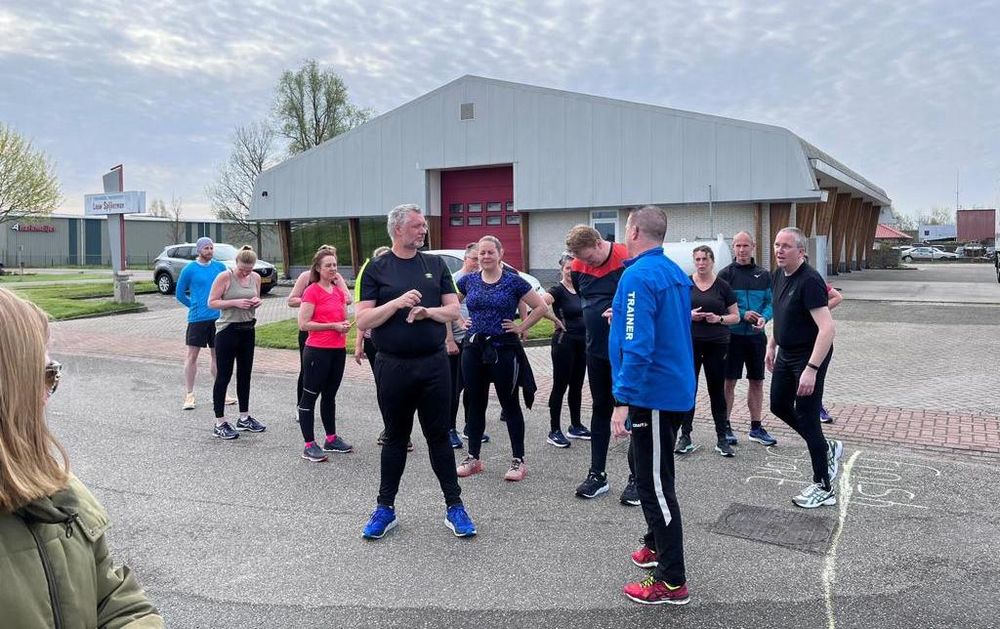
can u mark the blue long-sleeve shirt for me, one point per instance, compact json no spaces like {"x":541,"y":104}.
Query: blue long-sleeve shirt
{"x":193,"y":287}
{"x":652,"y":358}
{"x":752,"y":286}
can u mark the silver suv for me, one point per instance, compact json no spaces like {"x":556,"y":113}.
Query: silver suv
{"x":168,"y":265}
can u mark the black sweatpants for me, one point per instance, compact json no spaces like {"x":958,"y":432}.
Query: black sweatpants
{"x":234,"y":345}
{"x":322,"y":371}
{"x":569,"y":366}
{"x":455,"y":366}
{"x":477,"y":376}
{"x":422,"y":386}
{"x":653,"y":451}
{"x":713,"y":357}
{"x":303,"y":335}
{"x":801,"y":412}
{"x":602,"y":404}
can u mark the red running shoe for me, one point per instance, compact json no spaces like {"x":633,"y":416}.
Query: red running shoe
{"x":645,"y":558}
{"x":649,"y":591}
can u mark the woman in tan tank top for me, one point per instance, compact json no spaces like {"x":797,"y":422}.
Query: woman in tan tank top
{"x":236,"y":294}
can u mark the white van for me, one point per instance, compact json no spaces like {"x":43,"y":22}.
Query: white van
{"x":681,"y":253}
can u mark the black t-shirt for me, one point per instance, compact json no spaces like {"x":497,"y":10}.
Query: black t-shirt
{"x":568,"y":307}
{"x":386,"y":278}
{"x":793,"y":296}
{"x":717,"y":300}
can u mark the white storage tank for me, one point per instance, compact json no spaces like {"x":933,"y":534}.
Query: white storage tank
{"x":681,"y":253}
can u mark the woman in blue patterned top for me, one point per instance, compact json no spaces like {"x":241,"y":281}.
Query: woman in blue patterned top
{"x":492,"y":350}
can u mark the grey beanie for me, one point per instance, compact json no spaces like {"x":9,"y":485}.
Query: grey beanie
{"x":203,"y":242}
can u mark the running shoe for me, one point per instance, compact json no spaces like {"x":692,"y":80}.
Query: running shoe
{"x":815,"y":496}
{"x":456,"y":441}
{"x":578,"y":432}
{"x":730,"y":437}
{"x":230,"y":401}
{"x":188,"y":402}
{"x":645,"y":558}
{"x":469,"y":466}
{"x":458,"y":520}
{"x":723,"y":448}
{"x":250,"y":424}
{"x":314,"y":453}
{"x":761,"y":436}
{"x":338,"y":445}
{"x":465,"y":435}
{"x":225,"y":431}
{"x":834,"y":452}
{"x":557,"y":439}
{"x":382,"y":521}
{"x":630,"y":495}
{"x":518,"y":470}
{"x":684,"y":445}
{"x":649,"y":591}
{"x":824,"y":416}
{"x":595,"y":485}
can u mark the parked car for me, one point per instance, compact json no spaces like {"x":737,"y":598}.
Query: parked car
{"x":453,"y":258}
{"x":168,"y":265}
{"x":926,"y":253}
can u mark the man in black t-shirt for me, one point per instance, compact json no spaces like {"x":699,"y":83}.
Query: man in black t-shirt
{"x":405,"y":297}
{"x":798,"y":355}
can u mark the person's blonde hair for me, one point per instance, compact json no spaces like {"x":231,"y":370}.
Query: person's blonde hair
{"x":28,"y":469}
{"x":246,"y":255}
{"x":582,"y":237}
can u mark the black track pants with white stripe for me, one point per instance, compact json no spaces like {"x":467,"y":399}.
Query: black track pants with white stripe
{"x":653,"y":450}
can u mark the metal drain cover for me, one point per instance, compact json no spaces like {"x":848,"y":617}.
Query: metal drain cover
{"x":781,"y":527}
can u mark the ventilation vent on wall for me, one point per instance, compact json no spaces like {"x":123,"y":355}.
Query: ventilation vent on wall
{"x":468,"y":111}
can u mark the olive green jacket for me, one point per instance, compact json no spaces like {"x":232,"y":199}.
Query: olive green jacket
{"x":55,"y":570}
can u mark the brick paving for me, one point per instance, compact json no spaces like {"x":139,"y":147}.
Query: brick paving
{"x":882,"y":386}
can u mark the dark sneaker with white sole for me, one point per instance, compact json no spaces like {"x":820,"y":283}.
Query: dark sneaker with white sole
{"x":684,"y":445}
{"x":730,"y":437}
{"x":557,"y":439}
{"x":314,"y":453}
{"x":578,"y":432}
{"x":595,"y":485}
{"x":456,"y":441}
{"x":761,"y":436}
{"x":337,"y":446}
{"x":630,"y":495}
{"x":723,"y":448}
{"x":225,"y":431}
{"x":250,"y":424}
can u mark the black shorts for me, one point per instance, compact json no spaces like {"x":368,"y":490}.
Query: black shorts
{"x":201,"y":334}
{"x":746,"y":350}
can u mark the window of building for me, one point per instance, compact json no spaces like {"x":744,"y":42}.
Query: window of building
{"x":605,"y":222}
{"x":494,"y":220}
{"x":456,"y":208}
{"x":510,"y":207}
{"x":494,"y":206}
{"x":456,"y":221}
{"x":475,"y":207}
{"x":475,"y":221}
{"x":513,"y":219}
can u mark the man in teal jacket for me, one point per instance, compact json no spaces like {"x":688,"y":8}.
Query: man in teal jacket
{"x":652,"y":368}
{"x":748,"y":342}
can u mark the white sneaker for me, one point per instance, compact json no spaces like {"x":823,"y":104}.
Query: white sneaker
{"x":230,"y":401}
{"x":815,"y":496}
{"x":188,"y":402}
{"x":834,"y":452}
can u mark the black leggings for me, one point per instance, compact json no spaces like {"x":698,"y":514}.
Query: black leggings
{"x":405,"y":386}
{"x":323,"y":371}
{"x":455,"y":366}
{"x":477,"y":377}
{"x":801,"y":412}
{"x":602,"y":404}
{"x":569,"y":366}
{"x":302,"y":346}
{"x":713,"y":356}
{"x":233,"y":344}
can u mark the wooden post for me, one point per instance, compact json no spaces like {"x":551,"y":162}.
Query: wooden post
{"x":758,"y":233}
{"x":805,"y":217}
{"x":285,"y":242}
{"x":354,"y":232}
{"x":780,"y":214}
{"x":433,"y":232}
{"x":851,"y":233}
{"x":837,"y":229}
{"x":525,"y":242}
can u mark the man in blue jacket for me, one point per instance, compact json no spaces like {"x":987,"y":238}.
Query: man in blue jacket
{"x":193,"y":287}
{"x":748,"y":342}
{"x":652,"y":367}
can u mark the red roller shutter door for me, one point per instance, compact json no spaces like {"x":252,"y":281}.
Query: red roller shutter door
{"x":477,"y":202}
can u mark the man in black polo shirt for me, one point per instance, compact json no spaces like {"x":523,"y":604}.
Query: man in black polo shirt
{"x":798,"y":354}
{"x":406,"y":296}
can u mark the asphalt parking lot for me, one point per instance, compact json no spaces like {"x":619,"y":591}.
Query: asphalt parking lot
{"x":247,"y":534}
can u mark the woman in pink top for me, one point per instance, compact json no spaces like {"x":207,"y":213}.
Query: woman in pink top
{"x":323,"y":314}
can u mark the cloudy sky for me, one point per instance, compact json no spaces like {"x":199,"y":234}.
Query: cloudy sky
{"x":906,"y":93}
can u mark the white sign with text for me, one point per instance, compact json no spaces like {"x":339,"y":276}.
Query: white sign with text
{"x":130,"y":202}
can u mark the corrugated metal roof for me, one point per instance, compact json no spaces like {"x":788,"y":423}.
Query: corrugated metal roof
{"x":884,"y":232}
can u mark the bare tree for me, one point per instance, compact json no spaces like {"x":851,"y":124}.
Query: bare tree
{"x":28,"y":184}
{"x":176,"y":223}
{"x":905,"y":222}
{"x":936,"y":216}
{"x":230,"y":195}
{"x":158,"y":208}
{"x":312,"y":106}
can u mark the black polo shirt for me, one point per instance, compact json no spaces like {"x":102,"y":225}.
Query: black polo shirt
{"x":793,"y":297}
{"x":389,"y":276}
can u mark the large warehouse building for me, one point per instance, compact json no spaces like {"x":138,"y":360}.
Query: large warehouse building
{"x":527,"y":163}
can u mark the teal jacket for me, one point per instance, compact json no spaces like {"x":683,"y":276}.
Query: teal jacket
{"x":752,"y":286}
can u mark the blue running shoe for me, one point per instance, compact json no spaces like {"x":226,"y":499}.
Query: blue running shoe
{"x":557,"y":439}
{"x":459,"y":521}
{"x":382,"y":521}
{"x":456,"y":441}
{"x":578,"y":432}
{"x":762,"y":437}
{"x":465,"y":435}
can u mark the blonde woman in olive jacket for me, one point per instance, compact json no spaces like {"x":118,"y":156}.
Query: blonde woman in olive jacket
{"x":54,"y":562}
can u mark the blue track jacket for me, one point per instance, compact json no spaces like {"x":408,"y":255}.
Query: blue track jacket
{"x":752,"y":286}
{"x":652,"y":359}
